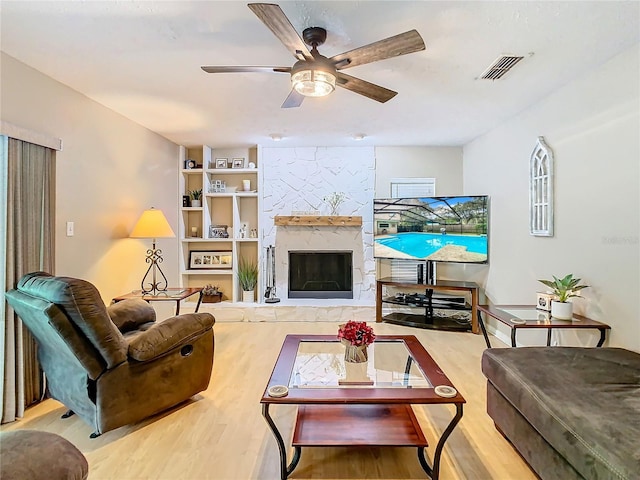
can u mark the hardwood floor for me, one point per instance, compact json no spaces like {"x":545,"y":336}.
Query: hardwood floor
{"x":221,"y":434}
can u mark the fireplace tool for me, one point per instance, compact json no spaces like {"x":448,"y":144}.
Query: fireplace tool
{"x":270,"y":293}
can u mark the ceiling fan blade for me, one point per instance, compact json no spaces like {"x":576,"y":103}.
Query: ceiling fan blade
{"x":232,"y":69}
{"x":274,"y":18}
{"x":357,"y":85}
{"x":294,"y":99}
{"x":401,"y":44}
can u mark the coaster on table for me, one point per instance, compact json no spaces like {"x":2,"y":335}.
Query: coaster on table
{"x":446,"y":391}
{"x":278,"y":391}
{"x":518,"y":321}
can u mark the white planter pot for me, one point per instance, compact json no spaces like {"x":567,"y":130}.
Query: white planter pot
{"x":196,"y":203}
{"x":248,"y":296}
{"x":563,"y":311}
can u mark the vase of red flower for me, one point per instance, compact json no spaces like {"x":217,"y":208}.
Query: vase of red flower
{"x":355,"y":336}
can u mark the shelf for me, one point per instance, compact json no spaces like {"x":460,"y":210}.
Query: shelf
{"x":191,"y":209}
{"x":232,"y":194}
{"x":424,"y":321}
{"x":435,"y":303}
{"x":192,"y":170}
{"x":219,"y":271}
{"x":227,"y":171}
{"x":205,"y":240}
{"x":318,"y":220}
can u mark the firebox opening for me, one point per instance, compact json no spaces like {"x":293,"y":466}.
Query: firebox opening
{"x":320,"y":274}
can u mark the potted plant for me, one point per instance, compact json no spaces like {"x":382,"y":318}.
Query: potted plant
{"x":563,"y":289}
{"x":248,"y":278}
{"x":196,"y":198}
{"x":211,"y":294}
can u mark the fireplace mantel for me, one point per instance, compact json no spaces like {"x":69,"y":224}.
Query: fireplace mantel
{"x":318,"y":220}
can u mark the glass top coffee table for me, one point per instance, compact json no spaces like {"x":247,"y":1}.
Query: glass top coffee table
{"x":362,"y":404}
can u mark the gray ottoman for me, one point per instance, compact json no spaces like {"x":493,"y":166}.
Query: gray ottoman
{"x":35,"y":455}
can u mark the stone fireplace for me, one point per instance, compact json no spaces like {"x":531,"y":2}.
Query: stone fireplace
{"x":298,"y":179}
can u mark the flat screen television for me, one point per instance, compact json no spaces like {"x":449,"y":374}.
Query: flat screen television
{"x":438,"y":229}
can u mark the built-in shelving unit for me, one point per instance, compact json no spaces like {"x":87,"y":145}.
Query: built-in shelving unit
{"x":226,"y":224}
{"x":318,"y":220}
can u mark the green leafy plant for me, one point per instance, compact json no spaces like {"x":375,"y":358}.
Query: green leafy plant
{"x":564,"y":288}
{"x":247,"y":274}
{"x":196,"y":194}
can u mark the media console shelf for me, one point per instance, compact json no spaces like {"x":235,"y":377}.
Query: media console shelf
{"x":421,"y":306}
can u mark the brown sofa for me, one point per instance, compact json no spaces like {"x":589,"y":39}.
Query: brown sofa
{"x":112,"y":366}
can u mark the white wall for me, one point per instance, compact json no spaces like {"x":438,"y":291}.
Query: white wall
{"x":109,"y":171}
{"x":592,"y":125}
{"x":442,"y":163}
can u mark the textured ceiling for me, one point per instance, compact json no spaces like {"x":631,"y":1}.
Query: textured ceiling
{"x":142,"y":59}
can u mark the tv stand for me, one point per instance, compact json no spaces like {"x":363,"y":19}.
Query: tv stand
{"x":422,"y":306}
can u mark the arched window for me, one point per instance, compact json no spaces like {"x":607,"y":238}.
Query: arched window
{"x":541,"y":190}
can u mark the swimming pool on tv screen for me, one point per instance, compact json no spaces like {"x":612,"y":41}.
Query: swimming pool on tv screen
{"x":421,"y":245}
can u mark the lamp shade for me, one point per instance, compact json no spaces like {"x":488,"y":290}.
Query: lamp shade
{"x":152,"y":224}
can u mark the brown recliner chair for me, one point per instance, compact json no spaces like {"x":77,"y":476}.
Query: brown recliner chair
{"x":113,"y":365}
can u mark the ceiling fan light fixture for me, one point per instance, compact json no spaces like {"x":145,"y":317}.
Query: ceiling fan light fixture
{"x":313,"y":83}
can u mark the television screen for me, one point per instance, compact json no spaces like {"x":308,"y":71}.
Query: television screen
{"x":441,"y":229}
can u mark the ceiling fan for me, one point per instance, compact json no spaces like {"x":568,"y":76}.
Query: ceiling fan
{"x":315,"y":75}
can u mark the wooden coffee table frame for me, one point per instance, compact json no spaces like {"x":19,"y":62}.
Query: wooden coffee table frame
{"x":320,"y":408}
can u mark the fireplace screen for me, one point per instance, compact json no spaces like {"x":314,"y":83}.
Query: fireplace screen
{"x":321,"y":274}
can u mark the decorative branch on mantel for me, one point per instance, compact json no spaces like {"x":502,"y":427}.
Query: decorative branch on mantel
{"x":318,"y":220}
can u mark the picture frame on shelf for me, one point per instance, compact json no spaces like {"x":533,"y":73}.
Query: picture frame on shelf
{"x":210,"y":259}
{"x":218,"y":231}
{"x":222,"y":163}
{"x":237,"y":162}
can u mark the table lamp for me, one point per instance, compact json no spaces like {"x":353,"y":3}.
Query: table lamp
{"x":153,"y":224}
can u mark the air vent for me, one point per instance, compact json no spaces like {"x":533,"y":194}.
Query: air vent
{"x":500,"y":67}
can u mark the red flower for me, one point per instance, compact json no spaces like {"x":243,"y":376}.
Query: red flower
{"x":356,"y":333}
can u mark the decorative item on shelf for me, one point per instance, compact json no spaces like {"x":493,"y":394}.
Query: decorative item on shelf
{"x":252,"y":165}
{"x":196,"y":197}
{"x":237,"y":163}
{"x":253,"y":233}
{"x":186,"y":200}
{"x":218,"y":231}
{"x":563,"y":289}
{"x":209,"y":259}
{"x":334,"y":201}
{"x":246,"y":185}
{"x":189,"y":164}
{"x":248,"y":278}
{"x":242,"y":233}
{"x":153,"y":224}
{"x":544,"y":301}
{"x":211,"y":294}
{"x":218,"y":186}
{"x":222,"y":162}
{"x":356,"y":337}
{"x":194,"y":231}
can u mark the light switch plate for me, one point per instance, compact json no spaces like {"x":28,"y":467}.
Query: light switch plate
{"x":69,"y":229}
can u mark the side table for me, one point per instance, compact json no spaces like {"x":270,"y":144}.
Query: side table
{"x":527,"y":316}
{"x":170,"y":295}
